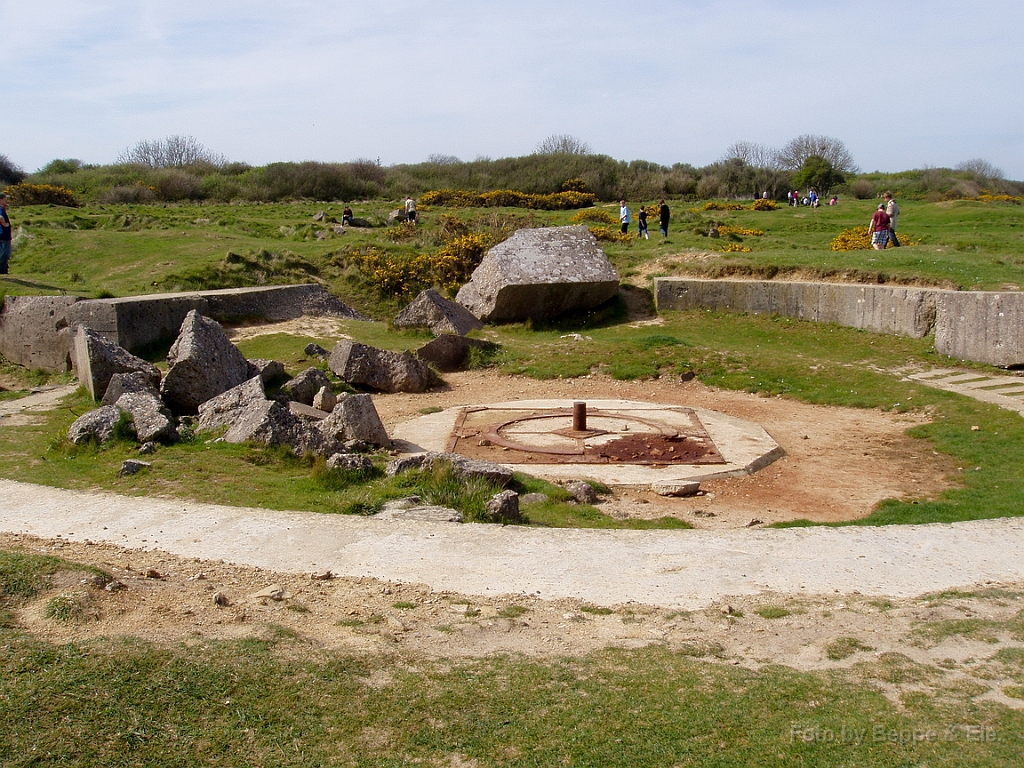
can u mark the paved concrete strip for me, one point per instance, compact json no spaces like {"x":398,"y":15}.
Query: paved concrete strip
{"x":980,"y":387}
{"x":673,"y":569}
{"x":42,"y":399}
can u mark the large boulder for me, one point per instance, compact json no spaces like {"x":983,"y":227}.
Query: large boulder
{"x":267,"y":422}
{"x":432,"y":310}
{"x":464,"y":468}
{"x":540,"y":274}
{"x":123,"y":383}
{"x":203,"y":363}
{"x":97,"y":359}
{"x":380,"y":369}
{"x":355,"y":418}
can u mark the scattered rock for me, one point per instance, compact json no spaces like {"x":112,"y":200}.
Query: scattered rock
{"x":269,"y":371}
{"x":303,"y":388}
{"x":133,"y":467}
{"x":315,"y":350}
{"x":355,"y":418}
{"x":534,"y":498}
{"x":147,"y":448}
{"x":756,"y":521}
{"x":703,"y":513}
{"x":504,"y":508}
{"x":379,"y":369}
{"x":464,"y":468}
{"x":123,"y":383}
{"x":221,"y":600}
{"x":325,"y":399}
{"x":267,"y":422}
{"x":449,"y":352}
{"x":583,"y":492}
{"x":152,"y":573}
{"x":322,"y":576}
{"x":307,"y":413}
{"x":540,"y":274}
{"x":435,"y":514}
{"x":227,"y":407}
{"x":676,"y":489}
{"x":351,"y":461}
{"x":95,"y":425}
{"x":273,"y":592}
{"x":203,"y":364}
{"x":152,"y":420}
{"x":432,"y":310}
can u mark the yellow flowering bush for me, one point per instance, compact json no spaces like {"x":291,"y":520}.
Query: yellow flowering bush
{"x":610,"y":235}
{"x":725,"y":230}
{"x":41,"y":194}
{"x":734,"y":248}
{"x":714,"y":205}
{"x":763,"y":204}
{"x":989,"y":198}
{"x":595,"y":215}
{"x":859,"y":239}
{"x":406,"y":274}
{"x":509,"y":198}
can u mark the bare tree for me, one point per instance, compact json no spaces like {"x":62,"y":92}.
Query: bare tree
{"x":441,"y":159}
{"x":795,"y":153}
{"x":562,"y":144}
{"x":170,"y":152}
{"x":981,"y":168}
{"x":753,"y":154}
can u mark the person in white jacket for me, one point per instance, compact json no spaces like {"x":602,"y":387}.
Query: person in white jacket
{"x":894,"y":211}
{"x":624,"y":217}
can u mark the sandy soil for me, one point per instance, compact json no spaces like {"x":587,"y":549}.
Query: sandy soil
{"x":170,"y":600}
{"x":840,"y":462}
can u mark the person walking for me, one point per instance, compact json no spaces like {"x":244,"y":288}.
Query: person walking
{"x":5,"y":235}
{"x":663,"y":216}
{"x":893,"y":211}
{"x":641,"y":224}
{"x":624,"y":216}
{"x":879,"y":228}
{"x":410,"y":210}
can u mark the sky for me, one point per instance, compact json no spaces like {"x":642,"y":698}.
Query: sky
{"x":903,"y":83}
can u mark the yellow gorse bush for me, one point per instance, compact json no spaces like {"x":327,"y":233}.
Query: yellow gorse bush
{"x":508,"y":198}
{"x":41,"y":194}
{"x":725,"y":230}
{"x":609,"y":235}
{"x":714,"y":205}
{"x":859,"y":239}
{"x":989,"y":198}
{"x":404,"y":274}
{"x":595,"y":215}
{"x":734,"y":248}
{"x":763,"y":204}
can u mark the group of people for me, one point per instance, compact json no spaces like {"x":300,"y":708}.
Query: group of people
{"x":625,"y":219}
{"x":883,"y":224}
{"x":810,"y":199}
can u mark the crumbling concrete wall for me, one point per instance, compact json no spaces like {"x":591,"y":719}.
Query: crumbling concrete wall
{"x":36,"y":331}
{"x":983,"y":326}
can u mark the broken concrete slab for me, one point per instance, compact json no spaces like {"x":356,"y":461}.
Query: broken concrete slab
{"x":463,"y":468}
{"x":97,"y":425}
{"x":379,"y":369}
{"x":203,"y":364}
{"x":540,"y":274}
{"x":34,"y":332}
{"x":985,"y":326}
{"x":123,"y":383}
{"x":303,"y":388}
{"x":152,"y":419}
{"x":227,"y":407}
{"x":97,"y":359}
{"x":432,"y":310}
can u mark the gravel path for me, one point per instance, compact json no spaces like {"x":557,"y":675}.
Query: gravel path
{"x":672,"y":569}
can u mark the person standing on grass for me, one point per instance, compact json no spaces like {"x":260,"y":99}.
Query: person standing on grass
{"x":879,"y":228}
{"x":624,"y":216}
{"x":663,"y":216}
{"x":410,"y":210}
{"x":641,"y":224}
{"x":893,"y":211}
{"x":5,"y":235}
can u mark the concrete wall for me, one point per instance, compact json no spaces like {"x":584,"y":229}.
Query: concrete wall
{"x":986,"y":327}
{"x":36,"y":331}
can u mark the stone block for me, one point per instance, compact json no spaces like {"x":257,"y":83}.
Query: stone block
{"x":984,"y":326}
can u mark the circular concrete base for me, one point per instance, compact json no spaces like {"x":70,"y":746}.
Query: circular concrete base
{"x":744,"y":446}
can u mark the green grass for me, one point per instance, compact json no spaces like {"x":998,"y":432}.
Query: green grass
{"x":247,"y":703}
{"x":772,"y":612}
